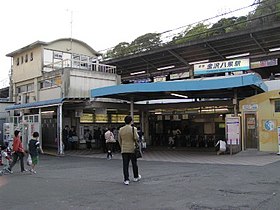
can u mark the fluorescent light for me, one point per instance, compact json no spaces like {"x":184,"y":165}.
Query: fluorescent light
{"x":238,"y":55}
{"x":165,"y":67}
{"x":179,"y":95}
{"x":47,"y":112}
{"x":274,"y":49}
{"x":196,"y":62}
{"x":138,"y":72}
{"x":158,"y":112}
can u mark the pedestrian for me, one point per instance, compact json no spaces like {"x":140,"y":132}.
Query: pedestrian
{"x":128,"y":138}
{"x":88,"y":138}
{"x":73,"y":138}
{"x":34,"y":148}
{"x":65,"y":137}
{"x":110,"y":141}
{"x":221,"y":147}
{"x":18,"y":152}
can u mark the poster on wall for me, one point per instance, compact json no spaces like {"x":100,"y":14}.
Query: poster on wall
{"x":233,"y":130}
{"x":269,"y":125}
{"x":251,"y":123}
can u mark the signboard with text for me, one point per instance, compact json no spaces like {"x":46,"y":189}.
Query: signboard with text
{"x":222,"y":66}
{"x":233,"y":130}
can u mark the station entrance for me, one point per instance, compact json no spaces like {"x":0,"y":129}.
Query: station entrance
{"x":193,"y":131}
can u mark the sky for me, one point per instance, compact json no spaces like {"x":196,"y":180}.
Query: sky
{"x":101,"y":24}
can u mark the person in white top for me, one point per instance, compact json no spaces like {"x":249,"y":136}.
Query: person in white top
{"x":110,"y":141}
{"x":222,"y":147}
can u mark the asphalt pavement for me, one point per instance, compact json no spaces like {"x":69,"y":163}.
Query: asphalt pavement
{"x":93,"y":182}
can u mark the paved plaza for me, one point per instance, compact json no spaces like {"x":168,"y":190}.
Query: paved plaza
{"x":170,"y":180}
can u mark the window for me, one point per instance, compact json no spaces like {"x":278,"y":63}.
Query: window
{"x":47,"y":83}
{"x":21,"y":89}
{"x":26,"y":58}
{"x":21,"y":59}
{"x":76,"y":57}
{"x":57,"y":55}
{"x":277,"y":106}
{"x":25,"y":88}
{"x":31,"y":56}
{"x":30,"y":87}
{"x":17,"y":61}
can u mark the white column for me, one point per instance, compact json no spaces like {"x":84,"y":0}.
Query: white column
{"x":40,"y":126}
{"x":59,"y":129}
{"x":132,"y":108}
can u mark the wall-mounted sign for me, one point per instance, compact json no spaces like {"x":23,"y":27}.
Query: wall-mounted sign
{"x":179,"y":75}
{"x":222,"y":66}
{"x":264,"y":63}
{"x":160,"y":79}
{"x":250,"y":107}
{"x":269,"y":125}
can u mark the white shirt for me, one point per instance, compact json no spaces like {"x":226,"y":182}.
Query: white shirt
{"x":109,"y":136}
{"x":223,"y":145}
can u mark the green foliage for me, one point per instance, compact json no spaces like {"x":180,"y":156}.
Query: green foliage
{"x":266,"y":12}
{"x":120,"y":49}
{"x":145,"y":42}
{"x":199,"y":31}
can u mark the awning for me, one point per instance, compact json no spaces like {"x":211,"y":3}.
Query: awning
{"x":37,"y":104}
{"x":210,"y":87}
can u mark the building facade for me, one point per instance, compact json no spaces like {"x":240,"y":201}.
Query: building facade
{"x":50,"y":85}
{"x":261,"y":121}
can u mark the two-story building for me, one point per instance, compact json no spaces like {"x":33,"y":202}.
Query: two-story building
{"x":50,"y":85}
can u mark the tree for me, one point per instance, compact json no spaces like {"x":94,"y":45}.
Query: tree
{"x":268,"y":11}
{"x":199,"y":31}
{"x":119,"y":50}
{"x":145,"y":42}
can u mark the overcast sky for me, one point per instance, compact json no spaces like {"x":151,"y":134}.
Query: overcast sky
{"x":101,"y":24}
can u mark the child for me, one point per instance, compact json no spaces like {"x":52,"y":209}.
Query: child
{"x":34,"y":146}
{"x":6,"y":159}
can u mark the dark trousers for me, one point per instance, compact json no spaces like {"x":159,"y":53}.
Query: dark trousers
{"x":110,"y":146}
{"x":16,"y":156}
{"x":126,"y":158}
{"x":88,"y":143}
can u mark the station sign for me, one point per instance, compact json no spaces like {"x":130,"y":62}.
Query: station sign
{"x":222,"y":66}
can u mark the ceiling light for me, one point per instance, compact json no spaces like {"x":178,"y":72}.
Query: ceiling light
{"x":179,"y":95}
{"x":274,"y":49}
{"x":138,"y":72}
{"x":47,"y":112}
{"x":196,"y":62}
{"x":165,"y":67}
{"x":238,"y":55}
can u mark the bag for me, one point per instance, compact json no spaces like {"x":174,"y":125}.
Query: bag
{"x":137,"y":151}
{"x":29,"y":160}
{"x":144,"y":145}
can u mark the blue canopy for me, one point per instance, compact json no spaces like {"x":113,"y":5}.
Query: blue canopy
{"x":210,"y":87}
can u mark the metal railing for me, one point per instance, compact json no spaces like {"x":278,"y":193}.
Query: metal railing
{"x":76,"y":64}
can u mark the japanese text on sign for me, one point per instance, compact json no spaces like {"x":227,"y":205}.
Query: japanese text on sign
{"x":222,"y":66}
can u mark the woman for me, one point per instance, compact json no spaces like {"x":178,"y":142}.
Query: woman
{"x":18,"y":152}
{"x":110,"y":141}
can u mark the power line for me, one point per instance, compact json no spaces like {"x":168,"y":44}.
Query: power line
{"x":204,"y":20}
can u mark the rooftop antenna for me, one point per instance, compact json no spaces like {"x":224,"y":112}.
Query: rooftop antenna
{"x":71,"y":31}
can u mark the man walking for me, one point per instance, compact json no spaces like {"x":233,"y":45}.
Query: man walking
{"x":128,"y":138}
